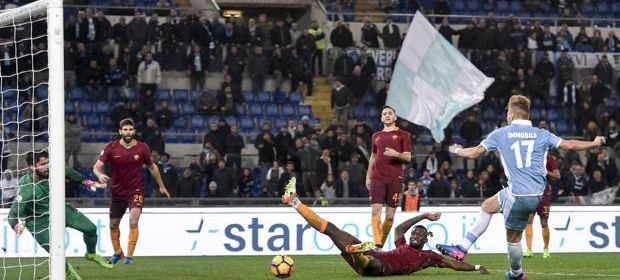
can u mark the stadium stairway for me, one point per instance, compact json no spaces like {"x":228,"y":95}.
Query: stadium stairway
{"x":367,"y":6}
{"x":320,"y":101}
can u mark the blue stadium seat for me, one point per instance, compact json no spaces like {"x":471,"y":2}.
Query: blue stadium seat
{"x":615,"y":8}
{"x":516,"y":6}
{"x":231,"y":120}
{"x":271,"y":110}
{"x":42,"y":92}
{"x":304,"y":110}
{"x":194,"y":94}
{"x":187,"y":109}
{"x":279,"y":123}
{"x":473,"y":5}
{"x":102,"y":107}
{"x":93,"y":121}
{"x":170,"y":135}
{"x":602,"y":7}
{"x":359,"y":111}
{"x":295,"y":97}
{"x":502,"y":6}
{"x":107,"y":122}
{"x":246,"y":123}
{"x":248,"y":96}
{"x":552,"y":115}
{"x":197,"y":122}
{"x":70,"y":107}
{"x":587,"y":9}
{"x":85,"y":107}
{"x":562,"y":127}
{"x":77,"y":93}
{"x":162,"y":94}
{"x":458,"y":5}
{"x":535,"y":114}
{"x":181,"y":95}
{"x":180,"y":123}
{"x":86,"y":135}
{"x":287,"y":110}
{"x":372,"y":111}
{"x":255,"y":110}
{"x":240,"y":109}
{"x":132,"y":94}
{"x":261,"y":120}
{"x":263,"y":96}
{"x":280,"y":97}
{"x":370,"y":98}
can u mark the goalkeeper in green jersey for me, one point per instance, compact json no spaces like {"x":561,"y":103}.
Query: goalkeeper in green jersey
{"x":30,"y":209}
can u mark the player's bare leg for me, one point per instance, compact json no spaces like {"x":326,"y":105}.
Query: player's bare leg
{"x":529,"y":235}
{"x":489,"y":207}
{"x":134,"y":217}
{"x":545,"y":233}
{"x":375,"y":222}
{"x":115,"y":235}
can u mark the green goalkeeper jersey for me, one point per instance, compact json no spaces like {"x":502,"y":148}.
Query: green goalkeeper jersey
{"x":33,"y":200}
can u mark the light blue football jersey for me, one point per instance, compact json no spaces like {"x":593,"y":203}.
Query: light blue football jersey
{"x":523,"y":152}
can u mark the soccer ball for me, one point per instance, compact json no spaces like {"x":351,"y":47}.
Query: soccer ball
{"x":282,"y":266}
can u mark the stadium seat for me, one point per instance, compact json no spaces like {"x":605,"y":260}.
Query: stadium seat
{"x":287,"y":110}
{"x":181,"y":95}
{"x":271,"y":110}
{"x":587,"y":9}
{"x":77,"y":93}
{"x":194,"y":94}
{"x":248,"y":96}
{"x":162,"y":94}
{"x":170,"y":135}
{"x":132,"y":94}
{"x":256,"y":110}
{"x":240,"y":109}
{"x":180,"y":123}
{"x":41,"y":92}
{"x":372,"y":111}
{"x":602,"y":7}
{"x":516,"y":6}
{"x":93,"y":121}
{"x":197,"y":122}
{"x":502,"y":6}
{"x":280,"y":97}
{"x":231,"y":120}
{"x":261,"y":120}
{"x":359,"y":111}
{"x":101,"y":107}
{"x":70,"y":107}
{"x":458,"y":5}
{"x":246,"y":123}
{"x":370,"y":98}
{"x":552,"y":114}
{"x":615,"y":8}
{"x":279,"y":123}
{"x":85,"y":107}
{"x":187,"y":109}
{"x":295,"y":97}
{"x":304,"y":110}
{"x":263,"y":96}
{"x":473,"y":5}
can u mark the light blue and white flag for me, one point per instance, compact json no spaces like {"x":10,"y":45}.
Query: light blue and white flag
{"x":433,"y":81}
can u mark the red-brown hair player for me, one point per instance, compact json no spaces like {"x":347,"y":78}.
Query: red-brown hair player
{"x":126,"y":157}
{"x":391,"y":148}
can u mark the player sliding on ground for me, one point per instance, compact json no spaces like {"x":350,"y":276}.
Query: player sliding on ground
{"x":404,"y":259}
{"x":126,"y":157}
{"x":30,"y":209}
{"x":523,"y":150}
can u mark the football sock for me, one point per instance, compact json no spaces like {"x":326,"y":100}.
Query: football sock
{"x":115,"y":235}
{"x":545,"y":234}
{"x":360,"y":260}
{"x":529,"y":235}
{"x":312,"y":218}
{"x":385,"y":230}
{"x":515,"y":254}
{"x":376,"y":230}
{"x":478,"y":229}
{"x":133,"y":239}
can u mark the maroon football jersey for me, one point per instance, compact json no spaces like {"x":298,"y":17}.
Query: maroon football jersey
{"x":552,"y":164}
{"x":385,"y":166}
{"x":405,"y":260}
{"x":125,"y":165}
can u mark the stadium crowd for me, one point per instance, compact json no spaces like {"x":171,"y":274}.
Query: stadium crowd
{"x":329,"y":162}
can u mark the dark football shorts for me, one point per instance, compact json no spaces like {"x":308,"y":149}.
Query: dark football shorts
{"x":386,"y":191}
{"x":118,"y":205}
{"x":544,"y":206}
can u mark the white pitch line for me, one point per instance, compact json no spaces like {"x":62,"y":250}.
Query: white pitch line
{"x":563,"y":274}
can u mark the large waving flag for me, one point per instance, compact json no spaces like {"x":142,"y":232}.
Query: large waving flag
{"x":433,"y":81}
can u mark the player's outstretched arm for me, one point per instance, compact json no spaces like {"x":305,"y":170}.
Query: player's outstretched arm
{"x":154,"y":170}
{"x":472,"y":153}
{"x":406,"y":225}
{"x":462,"y":266}
{"x":371,"y":161}
{"x":578,"y":145}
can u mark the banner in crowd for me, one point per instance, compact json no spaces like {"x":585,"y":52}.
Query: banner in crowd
{"x":281,"y":230}
{"x":587,"y":60}
{"x":384,"y":58}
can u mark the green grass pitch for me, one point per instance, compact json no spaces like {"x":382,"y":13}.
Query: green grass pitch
{"x":560,"y":266}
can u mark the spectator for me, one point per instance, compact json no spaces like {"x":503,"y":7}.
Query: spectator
{"x":119,"y":33}
{"x":467,"y":37}
{"x":341,"y":36}
{"x":565,"y":69}
{"x":341,"y":101}
{"x":198,"y":63}
{"x":164,"y":116}
{"x":598,"y":92}
{"x":156,"y":142}
{"x":226,"y":101}
{"x":73,"y":142}
{"x":575,"y":182}
{"x":583,"y":42}
{"x":597,"y":183}
{"x":235,"y":65}
{"x":441,"y":7}
{"x":273,"y":178}
{"x":246,"y":182}
{"x":280,"y":35}
{"x":299,"y":71}
{"x":439,"y":188}
{"x":118,"y":113}
{"x":8,"y":186}
{"x":357,"y":177}
{"x":257,"y":36}
{"x":213,"y":191}
{"x":258,"y":66}
{"x":391,"y":35}
{"x":370,"y":34}
{"x":604,"y":71}
{"x":605,"y":164}
{"x":471,"y":131}
{"x":431,"y":164}
{"x":597,"y":41}
{"x":547,"y":41}
{"x":149,"y":74}
{"x":411,"y":195}
{"x":226,"y":179}
{"x":264,"y":143}
{"x":206,"y":103}
{"x":361,"y":149}
{"x":545,"y":69}
{"x":92,"y":79}
{"x":446,"y":30}
{"x":319,"y":39}
{"x":217,"y":136}
{"x":295,"y":34}
{"x":612,"y":43}
{"x":468,"y":186}
{"x":325,"y":166}
{"x":137,"y":31}
{"x":115,"y":80}
{"x":328,"y":188}
{"x":343,"y":67}
{"x":455,"y":190}
{"x":344,"y":188}
{"x":234,"y":145}
{"x":306,"y":47}
{"x":168,"y":174}
{"x":308,"y":163}
{"x":287,"y":175}
{"x":283,"y":143}
{"x":426,"y":180}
